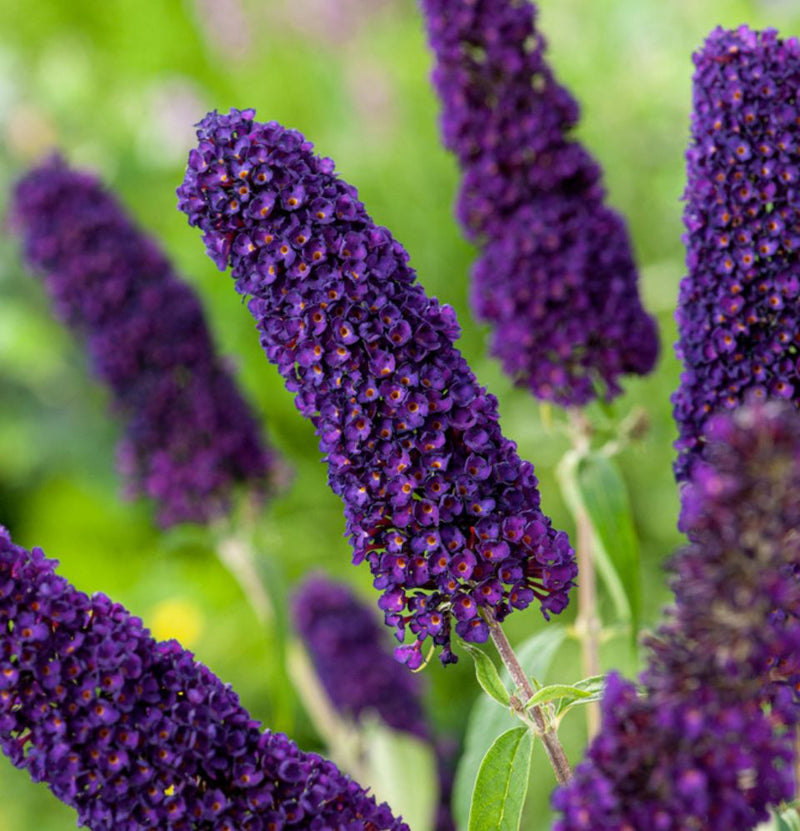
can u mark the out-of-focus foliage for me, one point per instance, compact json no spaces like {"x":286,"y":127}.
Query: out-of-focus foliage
{"x":116,"y":86}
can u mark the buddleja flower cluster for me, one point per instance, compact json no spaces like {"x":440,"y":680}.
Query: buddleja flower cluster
{"x":190,"y":437}
{"x":555,"y":278}
{"x":436,"y":499}
{"x":710,"y":743}
{"x":347,"y":647}
{"x":135,"y":734}
{"x":737,"y":318}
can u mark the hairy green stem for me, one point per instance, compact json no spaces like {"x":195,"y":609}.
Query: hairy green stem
{"x":545,"y":730}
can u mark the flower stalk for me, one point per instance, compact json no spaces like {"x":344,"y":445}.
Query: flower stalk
{"x":540,"y":721}
{"x":587,"y":623}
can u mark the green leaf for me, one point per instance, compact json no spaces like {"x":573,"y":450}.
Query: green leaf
{"x":401,"y":770}
{"x":502,"y":783}
{"x":788,"y":820}
{"x":593,"y":689}
{"x":593,"y":684}
{"x":488,"y":678}
{"x":488,"y":719}
{"x":605,"y":497}
{"x":554,"y":691}
{"x":486,"y":722}
{"x":569,"y":695}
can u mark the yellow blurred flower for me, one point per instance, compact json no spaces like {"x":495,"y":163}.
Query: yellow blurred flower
{"x":179,"y":618}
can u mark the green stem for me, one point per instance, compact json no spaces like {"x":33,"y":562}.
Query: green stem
{"x":236,"y":551}
{"x":587,"y":623}
{"x":340,"y":736}
{"x":237,"y":555}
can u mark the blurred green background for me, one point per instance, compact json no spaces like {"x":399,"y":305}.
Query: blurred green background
{"x":117,"y":86}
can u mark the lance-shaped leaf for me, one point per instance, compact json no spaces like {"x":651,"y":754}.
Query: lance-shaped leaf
{"x":593,"y":686}
{"x":499,"y":795}
{"x":787,"y":820}
{"x":568,"y":695}
{"x":487,"y":675}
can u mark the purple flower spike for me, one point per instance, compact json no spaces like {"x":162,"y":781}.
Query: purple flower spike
{"x":556,"y":277}
{"x":190,"y":437}
{"x":710,"y":742}
{"x":682,"y":759}
{"x":347,"y":647}
{"x":741,"y":512}
{"x":412,"y":441}
{"x":135,"y":734}
{"x":739,"y":328}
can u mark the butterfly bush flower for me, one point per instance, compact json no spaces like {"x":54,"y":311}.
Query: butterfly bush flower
{"x":739,"y":331}
{"x":555,"y":277}
{"x":347,"y":648}
{"x":136,"y":734}
{"x":436,"y":499}
{"x":190,"y":437}
{"x":710,"y":743}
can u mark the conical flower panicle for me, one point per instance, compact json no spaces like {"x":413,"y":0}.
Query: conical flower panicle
{"x":709,"y":742}
{"x":687,"y":758}
{"x":555,"y":277}
{"x":436,"y":498}
{"x":741,"y":512}
{"x":348,"y":650}
{"x":347,"y":647}
{"x":136,"y":734}
{"x":190,"y":436}
{"x":738,"y":322}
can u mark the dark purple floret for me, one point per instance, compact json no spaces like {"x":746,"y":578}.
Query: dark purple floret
{"x":190,"y":437}
{"x":556,"y":277}
{"x":348,"y":649}
{"x":709,"y":742}
{"x":739,"y":330}
{"x":436,"y":499}
{"x":135,"y":734}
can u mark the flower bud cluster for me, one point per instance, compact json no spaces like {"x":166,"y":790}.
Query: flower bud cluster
{"x":135,"y":734}
{"x":709,"y":743}
{"x":436,"y":498}
{"x":739,"y":331}
{"x":556,"y":277}
{"x":347,"y":647}
{"x":190,"y":437}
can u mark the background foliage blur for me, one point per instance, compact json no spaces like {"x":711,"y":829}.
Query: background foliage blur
{"x":117,"y":86}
